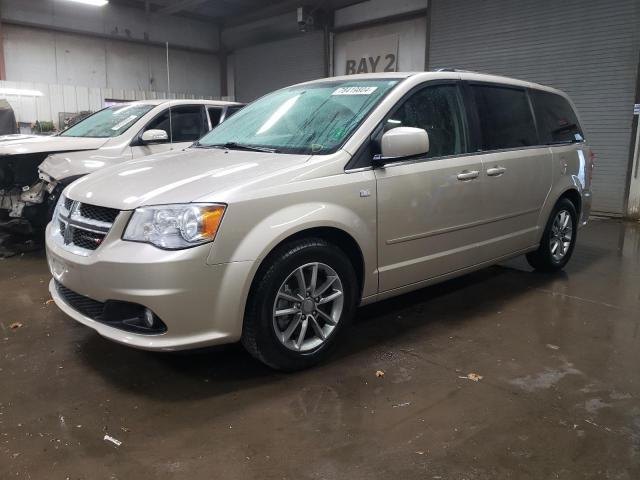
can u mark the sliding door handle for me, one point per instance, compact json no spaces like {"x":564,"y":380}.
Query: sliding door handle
{"x":495,"y":171}
{"x":468,"y":175}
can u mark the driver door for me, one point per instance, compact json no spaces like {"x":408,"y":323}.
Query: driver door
{"x":429,"y":209}
{"x":188,"y":124}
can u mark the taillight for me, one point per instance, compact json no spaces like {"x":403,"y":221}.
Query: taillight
{"x":591,"y":163}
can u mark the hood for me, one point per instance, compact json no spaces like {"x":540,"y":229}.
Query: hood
{"x":180,"y":177}
{"x":19,"y":144}
{"x":65,"y":165}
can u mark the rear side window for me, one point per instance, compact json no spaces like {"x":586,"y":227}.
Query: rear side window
{"x":557,"y":122}
{"x":505,"y":117}
{"x":438,"y":110}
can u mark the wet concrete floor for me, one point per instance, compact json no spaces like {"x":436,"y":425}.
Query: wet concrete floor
{"x":559,"y":395}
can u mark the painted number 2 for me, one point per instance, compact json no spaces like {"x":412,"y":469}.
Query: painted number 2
{"x":371,"y":64}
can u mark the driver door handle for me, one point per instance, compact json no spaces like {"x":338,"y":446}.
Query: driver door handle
{"x":468,"y":175}
{"x":495,"y":171}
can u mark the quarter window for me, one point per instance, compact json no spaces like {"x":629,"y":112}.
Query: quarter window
{"x":187,"y":123}
{"x":231,"y":111}
{"x":438,"y":110}
{"x":214,"y":115}
{"x":557,"y":122}
{"x":505,"y":117}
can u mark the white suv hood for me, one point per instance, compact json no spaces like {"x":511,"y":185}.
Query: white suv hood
{"x":19,"y":144}
{"x":181,"y":177}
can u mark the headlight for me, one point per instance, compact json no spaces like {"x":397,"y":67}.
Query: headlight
{"x":175,"y":226}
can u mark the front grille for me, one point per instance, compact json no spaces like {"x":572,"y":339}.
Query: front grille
{"x":82,"y":226}
{"x":86,"y":239}
{"x":101,"y":214}
{"x":85,"y":305}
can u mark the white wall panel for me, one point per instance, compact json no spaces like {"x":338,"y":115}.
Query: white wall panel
{"x":35,"y":55}
{"x":29,"y":54}
{"x":78,"y":60}
{"x":115,"y":21}
{"x":369,"y":10}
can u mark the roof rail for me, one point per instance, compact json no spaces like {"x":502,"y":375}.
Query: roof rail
{"x":448,"y":69}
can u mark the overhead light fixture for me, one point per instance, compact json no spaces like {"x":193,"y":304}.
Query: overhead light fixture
{"x":20,"y":91}
{"x":93,"y":3}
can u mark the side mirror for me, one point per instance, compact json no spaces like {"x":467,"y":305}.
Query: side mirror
{"x":400,"y":143}
{"x":154,"y":136}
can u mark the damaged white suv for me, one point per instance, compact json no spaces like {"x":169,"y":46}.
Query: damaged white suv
{"x":29,"y":186}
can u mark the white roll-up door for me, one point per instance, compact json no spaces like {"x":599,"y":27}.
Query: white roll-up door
{"x":587,"y":48}
{"x":390,"y":47}
{"x":262,"y":68}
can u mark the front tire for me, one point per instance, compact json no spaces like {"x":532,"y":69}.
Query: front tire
{"x":303,"y":297}
{"x":558,"y":239}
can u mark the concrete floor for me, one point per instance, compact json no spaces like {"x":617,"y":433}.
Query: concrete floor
{"x":559,"y":395}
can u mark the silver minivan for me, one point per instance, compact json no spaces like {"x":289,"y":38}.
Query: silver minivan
{"x":318,"y":198}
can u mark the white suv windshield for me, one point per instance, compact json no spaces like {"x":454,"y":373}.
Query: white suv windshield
{"x":312,"y":119}
{"x":109,"y":122}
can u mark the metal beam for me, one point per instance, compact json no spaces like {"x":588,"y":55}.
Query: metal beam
{"x":179,"y":6}
{"x":3,"y":72}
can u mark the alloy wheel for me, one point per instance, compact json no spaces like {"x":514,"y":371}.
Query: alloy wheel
{"x":308,"y":307}
{"x":561,"y":235}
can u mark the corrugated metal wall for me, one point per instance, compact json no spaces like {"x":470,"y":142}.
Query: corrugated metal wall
{"x":589,"y":49}
{"x":58,"y":98}
{"x":262,"y":68}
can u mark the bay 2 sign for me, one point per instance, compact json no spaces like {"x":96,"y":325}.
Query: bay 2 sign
{"x":378,"y":54}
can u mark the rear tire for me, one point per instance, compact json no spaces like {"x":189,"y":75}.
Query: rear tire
{"x":558,"y":239}
{"x":293,"y":319}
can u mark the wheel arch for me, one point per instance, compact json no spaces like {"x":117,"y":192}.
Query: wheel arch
{"x":574,"y":197}
{"x":336,"y":236}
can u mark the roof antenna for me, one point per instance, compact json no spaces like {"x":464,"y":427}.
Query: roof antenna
{"x":169,"y":95}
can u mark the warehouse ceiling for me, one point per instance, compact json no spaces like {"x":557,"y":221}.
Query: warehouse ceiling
{"x":232,"y":12}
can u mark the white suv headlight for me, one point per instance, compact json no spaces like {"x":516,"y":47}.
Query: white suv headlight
{"x":175,"y":226}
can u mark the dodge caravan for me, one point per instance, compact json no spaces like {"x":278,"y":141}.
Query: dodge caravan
{"x":318,"y":198}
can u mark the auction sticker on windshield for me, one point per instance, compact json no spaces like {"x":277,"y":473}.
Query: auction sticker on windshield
{"x":354,"y":91}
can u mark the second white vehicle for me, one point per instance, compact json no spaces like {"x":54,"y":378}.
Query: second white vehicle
{"x":34,"y":169}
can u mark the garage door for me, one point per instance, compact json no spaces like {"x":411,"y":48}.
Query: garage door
{"x":262,"y":68}
{"x":396,"y":46}
{"x":588,"y":49}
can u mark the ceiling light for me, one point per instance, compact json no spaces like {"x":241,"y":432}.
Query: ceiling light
{"x":20,"y":91}
{"x":93,"y":3}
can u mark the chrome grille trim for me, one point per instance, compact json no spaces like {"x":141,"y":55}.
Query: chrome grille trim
{"x":78,"y":233}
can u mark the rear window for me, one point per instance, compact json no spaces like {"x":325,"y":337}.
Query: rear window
{"x":505,"y":117}
{"x":557,"y":122}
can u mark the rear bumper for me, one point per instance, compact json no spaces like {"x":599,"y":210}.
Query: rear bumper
{"x":200,"y":304}
{"x":585,"y":210}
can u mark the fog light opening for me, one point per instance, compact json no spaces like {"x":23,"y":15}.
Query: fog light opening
{"x":148,"y":318}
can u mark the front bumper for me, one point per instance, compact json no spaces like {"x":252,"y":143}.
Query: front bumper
{"x":200,"y":304}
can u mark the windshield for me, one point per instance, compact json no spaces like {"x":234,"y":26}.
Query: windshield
{"x":109,"y":122}
{"x":306,"y":119}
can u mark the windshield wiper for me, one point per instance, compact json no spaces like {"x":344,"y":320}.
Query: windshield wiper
{"x":238,"y":146}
